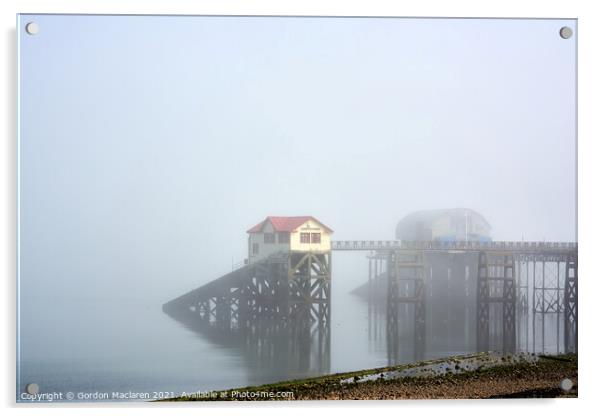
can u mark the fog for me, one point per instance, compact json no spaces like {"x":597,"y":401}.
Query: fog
{"x":149,"y":145}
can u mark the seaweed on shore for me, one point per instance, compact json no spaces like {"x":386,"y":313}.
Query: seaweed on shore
{"x":509,"y":378}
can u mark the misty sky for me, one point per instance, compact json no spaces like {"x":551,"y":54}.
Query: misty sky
{"x":149,"y":145}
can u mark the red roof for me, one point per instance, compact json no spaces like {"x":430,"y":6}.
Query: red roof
{"x":287,"y":224}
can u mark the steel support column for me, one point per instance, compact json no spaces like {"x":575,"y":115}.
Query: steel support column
{"x":409,"y":268}
{"x":496,"y":285}
{"x":571,"y":305}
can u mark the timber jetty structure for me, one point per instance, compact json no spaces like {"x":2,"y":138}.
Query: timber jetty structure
{"x":285,"y":287}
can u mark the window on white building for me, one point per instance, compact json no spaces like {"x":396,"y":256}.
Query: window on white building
{"x":283,"y":238}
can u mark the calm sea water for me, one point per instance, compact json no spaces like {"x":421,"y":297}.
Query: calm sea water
{"x":162,"y":355}
{"x":128,"y":349}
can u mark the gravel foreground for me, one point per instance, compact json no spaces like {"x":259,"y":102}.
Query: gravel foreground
{"x":499,"y":377}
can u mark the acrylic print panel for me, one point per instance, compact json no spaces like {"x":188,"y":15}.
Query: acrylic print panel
{"x":213,"y":202}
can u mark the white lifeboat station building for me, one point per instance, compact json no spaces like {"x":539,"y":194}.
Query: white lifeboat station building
{"x":285,"y":234}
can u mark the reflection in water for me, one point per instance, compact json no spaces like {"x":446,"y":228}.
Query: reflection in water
{"x":521,"y":307}
{"x":547,"y":306}
{"x":430,"y":305}
{"x":275,"y":310}
{"x":271,"y":350}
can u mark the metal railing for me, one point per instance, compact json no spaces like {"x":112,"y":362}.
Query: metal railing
{"x":510,"y":246}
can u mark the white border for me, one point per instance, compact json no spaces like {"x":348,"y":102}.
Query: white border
{"x":590,"y":68}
